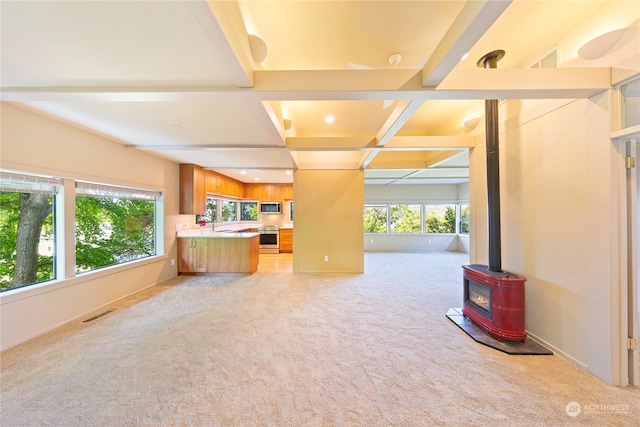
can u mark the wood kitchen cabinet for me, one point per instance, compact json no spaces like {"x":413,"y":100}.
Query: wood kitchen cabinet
{"x":192,"y":189}
{"x":218,"y":254}
{"x":193,"y":255}
{"x":216,"y":183}
{"x":212,"y":182}
{"x":252,"y":191}
{"x":275,"y":192}
{"x":287,"y":192}
{"x":196,"y":183}
{"x":286,"y":240}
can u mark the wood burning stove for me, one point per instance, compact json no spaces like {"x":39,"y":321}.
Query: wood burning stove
{"x":495,"y":301}
{"x":493,"y":298}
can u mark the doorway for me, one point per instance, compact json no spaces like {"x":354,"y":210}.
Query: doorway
{"x":634,"y":285}
{"x":631,"y":148}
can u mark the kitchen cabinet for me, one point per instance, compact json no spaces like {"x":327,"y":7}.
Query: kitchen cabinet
{"x":287,"y":192}
{"x":216,"y":183}
{"x":192,"y":189}
{"x":286,"y":240}
{"x":196,"y":183}
{"x":212,"y":182}
{"x":219,"y":253}
{"x":193,"y":255}
{"x":275,"y":192}
{"x":252,"y":191}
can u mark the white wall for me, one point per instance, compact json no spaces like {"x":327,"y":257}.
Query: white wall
{"x":558,"y":216}
{"x":560,"y":204}
{"x":37,"y":144}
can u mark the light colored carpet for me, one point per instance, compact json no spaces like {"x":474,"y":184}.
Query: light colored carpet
{"x":277,"y":349}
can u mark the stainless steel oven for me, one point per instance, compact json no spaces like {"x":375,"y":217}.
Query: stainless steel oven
{"x":269,"y":239}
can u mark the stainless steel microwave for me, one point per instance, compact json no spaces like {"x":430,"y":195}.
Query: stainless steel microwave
{"x":271,"y":208}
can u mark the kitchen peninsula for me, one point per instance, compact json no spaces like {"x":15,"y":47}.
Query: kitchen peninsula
{"x":208,"y":251}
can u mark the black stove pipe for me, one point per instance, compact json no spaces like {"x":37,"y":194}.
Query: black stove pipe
{"x":490,"y":60}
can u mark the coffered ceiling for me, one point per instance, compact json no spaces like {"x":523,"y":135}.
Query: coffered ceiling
{"x":179,"y":78}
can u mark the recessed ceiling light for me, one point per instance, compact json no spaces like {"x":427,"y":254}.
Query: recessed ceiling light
{"x":329,"y":119}
{"x":243,"y":172}
{"x":256,"y":179}
{"x":288,"y":172}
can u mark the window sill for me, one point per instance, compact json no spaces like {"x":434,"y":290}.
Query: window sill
{"x":56,"y":284}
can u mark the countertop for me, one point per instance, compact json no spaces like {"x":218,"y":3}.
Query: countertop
{"x":209,"y":234}
{"x":226,"y":231}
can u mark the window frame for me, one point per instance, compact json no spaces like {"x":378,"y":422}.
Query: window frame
{"x":408,"y":204}
{"x":423,"y":206}
{"x":117,"y":193}
{"x":64,"y":236}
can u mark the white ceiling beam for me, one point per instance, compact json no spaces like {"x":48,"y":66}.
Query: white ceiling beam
{"x":418,"y":142}
{"x":221,"y":24}
{"x":472,"y":83}
{"x":527,"y":80}
{"x":401,"y":113}
{"x":330,"y":143}
{"x":441,"y":157}
{"x":475,"y":18}
{"x":267,"y":116}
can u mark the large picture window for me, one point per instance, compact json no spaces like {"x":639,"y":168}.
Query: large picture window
{"x":404,"y":218}
{"x":439,"y":218}
{"x":416,"y":218}
{"x":113,"y":225}
{"x":375,"y":218}
{"x":27,"y":227}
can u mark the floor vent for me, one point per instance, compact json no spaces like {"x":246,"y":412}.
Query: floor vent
{"x":97,"y":316}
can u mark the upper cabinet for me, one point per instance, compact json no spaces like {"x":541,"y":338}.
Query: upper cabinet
{"x":196,"y":183}
{"x":192,"y":189}
{"x":287,"y":192}
{"x":216,"y":183}
{"x":268,"y":192}
{"x":252,"y":191}
{"x":212,"y":182}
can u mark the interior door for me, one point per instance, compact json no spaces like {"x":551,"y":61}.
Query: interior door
{"x":633,"y":219}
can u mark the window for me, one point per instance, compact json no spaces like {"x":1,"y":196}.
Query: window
{"x":210,"y":215}
{"x":550,"y":60}
{"x":375,"y":218}
{"x":404,"y":218}
{"x":631,"y":103}
{"x":114,"y":225}
{"x":248,"y":211}
{"x":229,"y":210}
{"x":408,"y":218}
{"x":28,"y":229}
{"x":464,"y":218}
{"x":439,"y":219}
